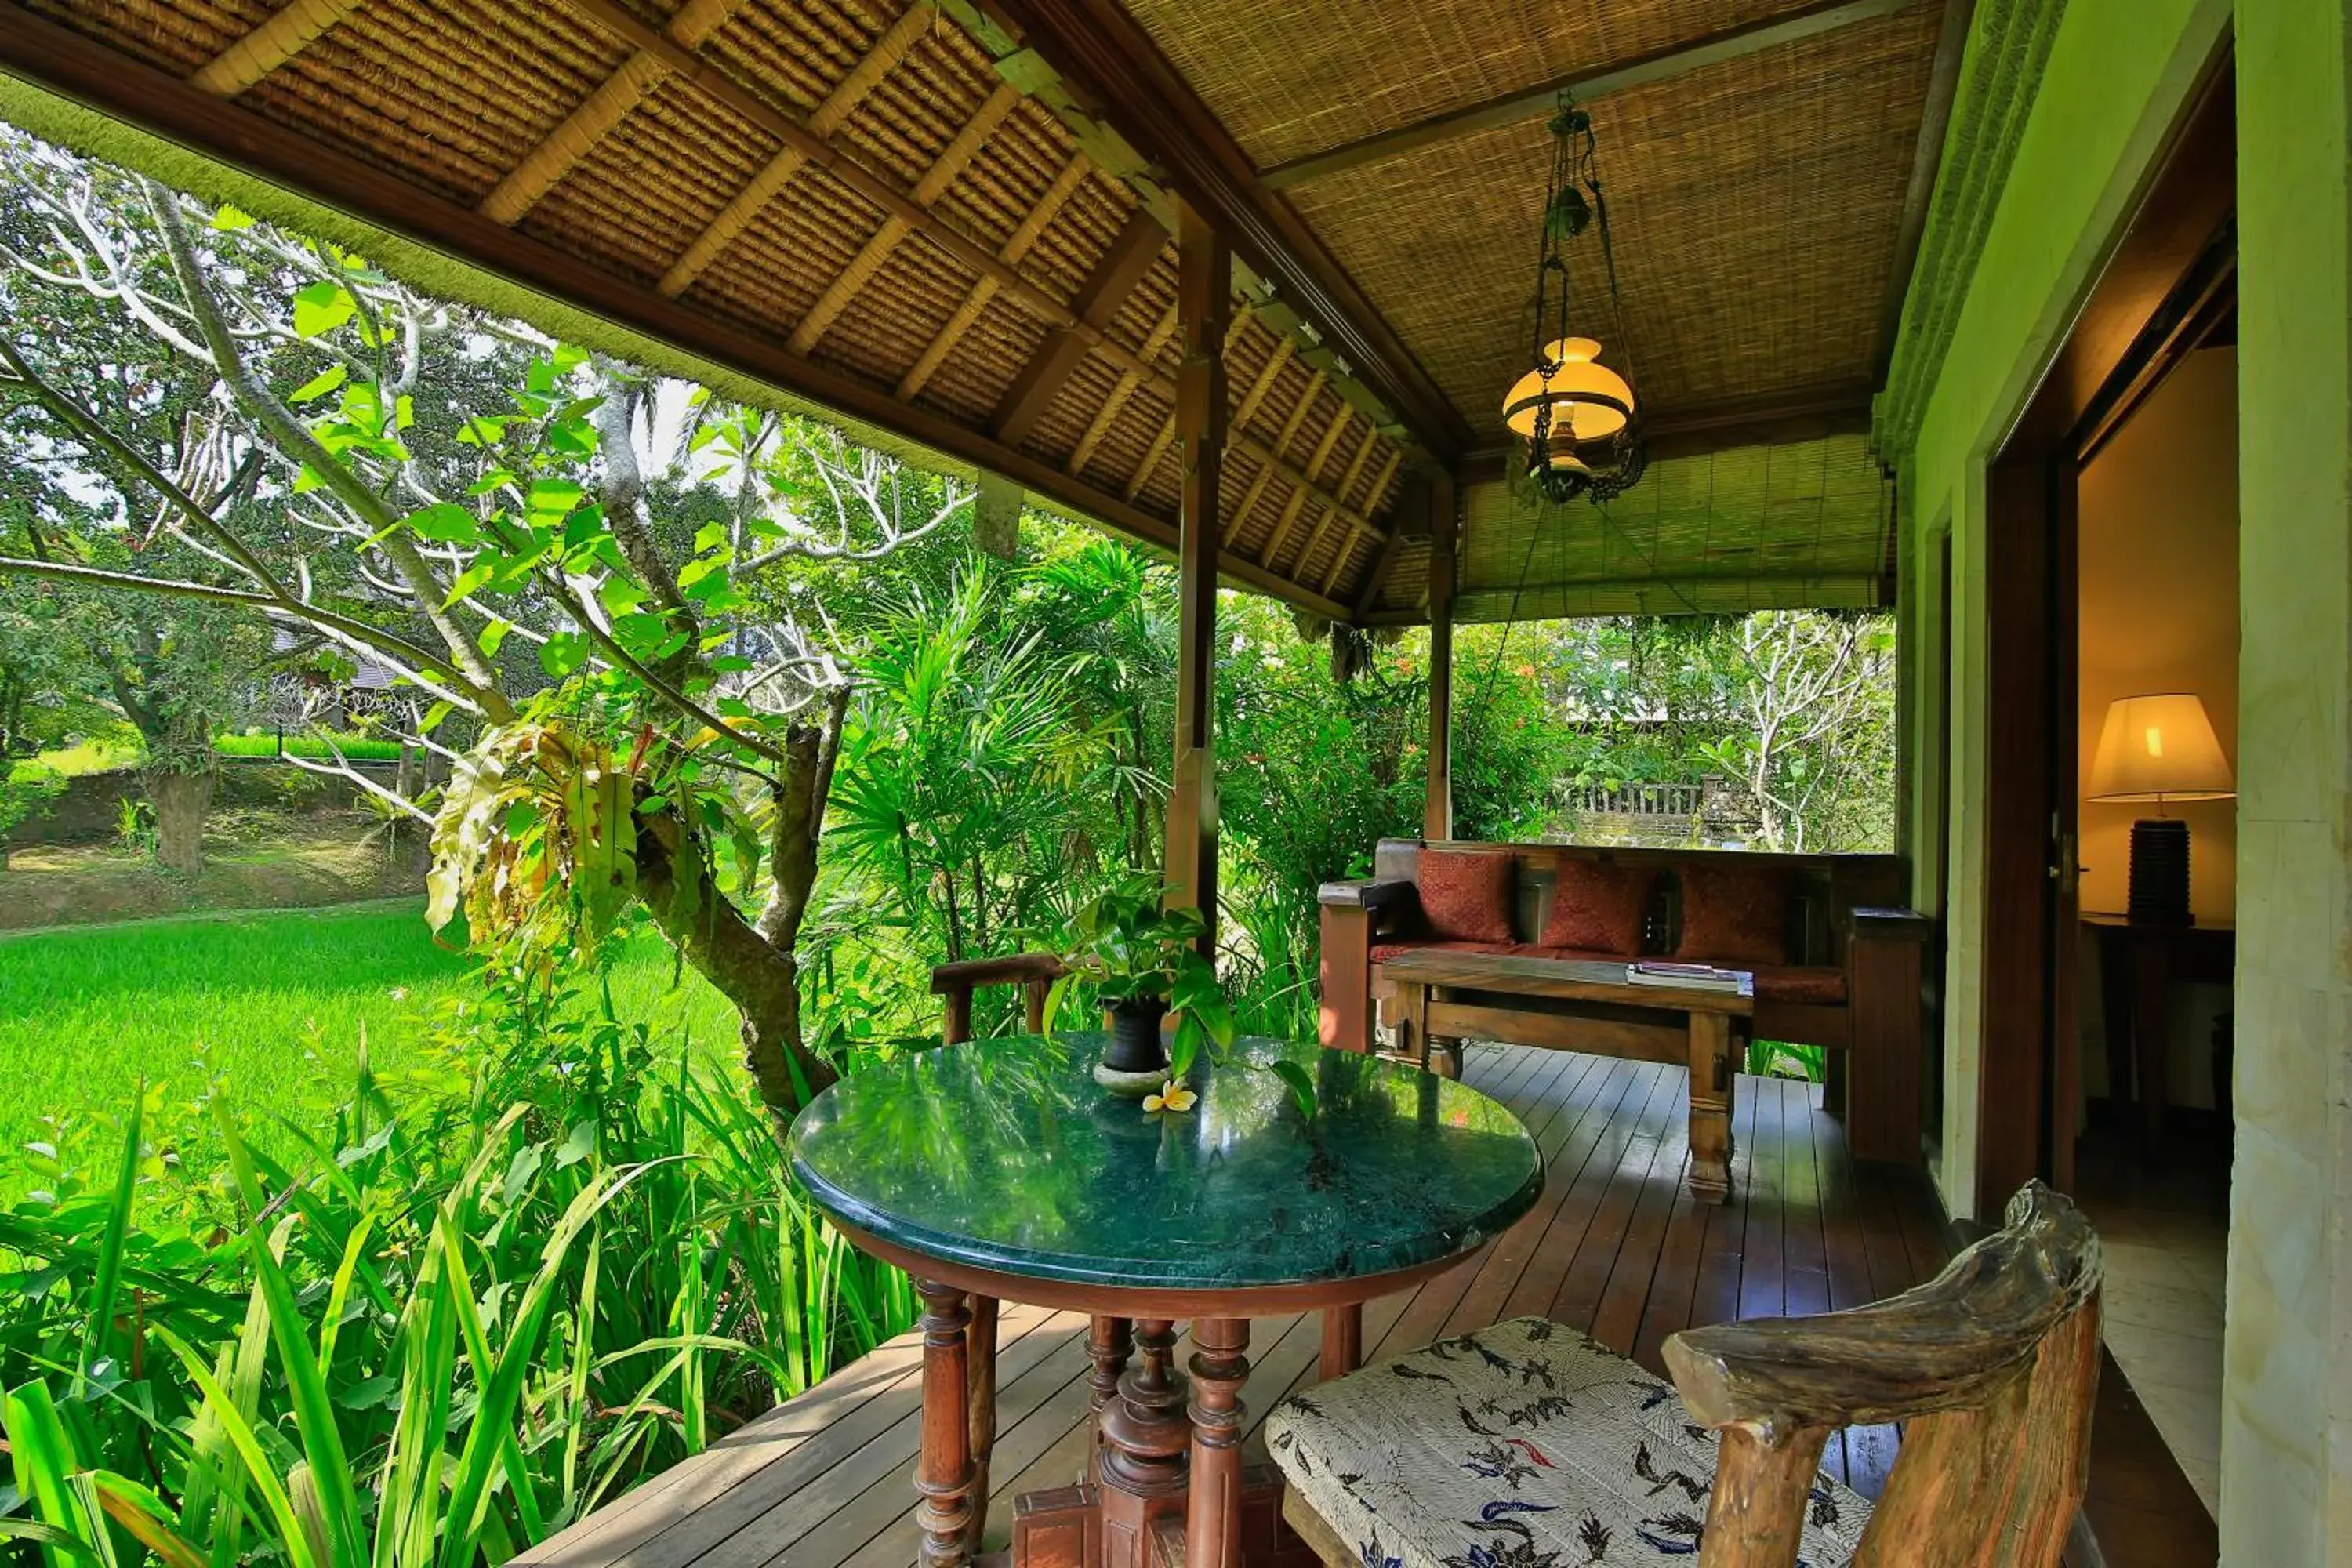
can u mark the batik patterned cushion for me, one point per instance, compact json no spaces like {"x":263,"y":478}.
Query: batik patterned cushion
{"x":1522,"y":1445}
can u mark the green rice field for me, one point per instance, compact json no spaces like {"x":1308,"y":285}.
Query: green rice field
{"x":273,"y":1003}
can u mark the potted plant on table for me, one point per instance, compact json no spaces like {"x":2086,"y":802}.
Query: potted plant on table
{"x":1145,"y":966}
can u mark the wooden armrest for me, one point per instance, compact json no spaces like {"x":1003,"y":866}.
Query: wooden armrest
{"x":1949,"y":1344}
{"x":1889,"y":925}
{"x":1376,"y":894}
{"x":1011,"y":969}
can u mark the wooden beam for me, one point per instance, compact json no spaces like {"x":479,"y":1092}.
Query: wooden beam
{"x":1271,"y":462}
{"x":1300,"y":495}
{"x":1391,"y":546}
{"x":1638,"y":70}
{"x":287,"y":33}
{"x":951,"y":161}
{"x":1124,"y":265}
{"x":60,"y":60}
{"x":1347,"y":547}
{"x":1040,"y":214}
{"x":1935,"y":118}
{"x":1124,"y":389}
{"x":1094,"y":42}
{"x":1204,"y":299}
{"x":544,"y":166}
{"x":1437,"y":811}
{"x":573,"y":140}
{"x":1323,"y":524}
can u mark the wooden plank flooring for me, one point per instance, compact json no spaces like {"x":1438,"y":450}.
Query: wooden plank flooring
{"x":1614,"y":1246}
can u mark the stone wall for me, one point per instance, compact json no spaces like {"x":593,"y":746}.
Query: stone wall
{"x":90,"y":810}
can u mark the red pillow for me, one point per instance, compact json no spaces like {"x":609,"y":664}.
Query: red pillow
{"x":1597,"y":907}
{"x":1733,"y":913}
{"x":1465,"y":894}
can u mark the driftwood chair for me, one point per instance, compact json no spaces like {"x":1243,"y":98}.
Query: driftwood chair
{"x":1525,"y":1446}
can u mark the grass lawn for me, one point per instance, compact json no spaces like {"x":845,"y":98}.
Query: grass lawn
{"x":274,"y":1004}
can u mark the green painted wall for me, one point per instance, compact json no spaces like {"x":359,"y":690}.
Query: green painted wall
{"x":2114,"y":75}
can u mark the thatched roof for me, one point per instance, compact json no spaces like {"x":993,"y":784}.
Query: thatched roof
{"x":951,"y":223}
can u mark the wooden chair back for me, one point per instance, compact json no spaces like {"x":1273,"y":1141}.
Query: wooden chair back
{"x":1034,"y":972}
{"x":1993,"y":1364}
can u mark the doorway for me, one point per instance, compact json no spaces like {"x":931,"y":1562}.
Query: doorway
{"x":2111,"y":522}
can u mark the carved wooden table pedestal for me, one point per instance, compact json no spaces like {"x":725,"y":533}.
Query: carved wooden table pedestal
{"x":998,"y":1170}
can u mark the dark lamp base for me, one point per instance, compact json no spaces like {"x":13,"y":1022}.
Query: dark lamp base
{"x":2159,"y":873}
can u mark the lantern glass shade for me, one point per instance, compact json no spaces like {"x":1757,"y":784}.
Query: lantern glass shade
{"x":2159,"y":748}
{"x":1587,"y":398}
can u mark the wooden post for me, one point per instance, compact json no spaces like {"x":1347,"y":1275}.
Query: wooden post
{"x":945,"y":1474}
{"x":1714,"y":1059}
{"x":1213,"y":1507}
{"x":980,"y":1411}
{"x":1343,"y":1340}
{"x":1437,"y":818}
{"x":1203,"y":310}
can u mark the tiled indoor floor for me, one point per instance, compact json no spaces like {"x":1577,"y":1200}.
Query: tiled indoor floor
{"x":2165,"y":1223}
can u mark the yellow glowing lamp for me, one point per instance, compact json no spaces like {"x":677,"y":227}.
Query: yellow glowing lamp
{"x":1587,"y":399}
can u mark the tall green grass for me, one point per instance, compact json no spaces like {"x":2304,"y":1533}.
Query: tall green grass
{"x":449,"y":1322}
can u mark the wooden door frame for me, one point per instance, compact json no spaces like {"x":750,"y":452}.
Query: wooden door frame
{"x":2169,"y":281}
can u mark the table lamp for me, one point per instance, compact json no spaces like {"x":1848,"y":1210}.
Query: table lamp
{"x":2159,"y":748}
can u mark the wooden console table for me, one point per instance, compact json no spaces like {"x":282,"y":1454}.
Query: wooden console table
{"x":2137,"y":964}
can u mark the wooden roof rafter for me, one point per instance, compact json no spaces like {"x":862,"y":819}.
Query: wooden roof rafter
{"x":291,"y":175}
{"x":1075,"y":330}
{"x":1128,"y":381}
{"x":1094,"y":42}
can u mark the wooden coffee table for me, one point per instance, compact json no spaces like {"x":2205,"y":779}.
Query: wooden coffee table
{"x":1444,"y":997}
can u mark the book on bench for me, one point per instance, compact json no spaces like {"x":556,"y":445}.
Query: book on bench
{"x":1684,"y":976}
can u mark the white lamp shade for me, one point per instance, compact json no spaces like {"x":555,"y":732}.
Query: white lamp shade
{"x":2159,"y":748}
{"x":1573,"y":378}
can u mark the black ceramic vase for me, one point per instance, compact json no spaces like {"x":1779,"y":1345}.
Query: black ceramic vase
{"x":1135,"y":1046}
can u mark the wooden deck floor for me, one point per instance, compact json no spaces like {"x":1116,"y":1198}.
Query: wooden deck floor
{"x":1615,"y":1246}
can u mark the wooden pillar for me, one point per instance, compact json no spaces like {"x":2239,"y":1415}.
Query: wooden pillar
{"x":1203,"y":310}
{"x":944,"y":1474}
{"x":1437,"y":818}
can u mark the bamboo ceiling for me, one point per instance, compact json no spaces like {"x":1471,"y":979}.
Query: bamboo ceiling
{"x":905,"y":213}
{"x":1798,"y":525}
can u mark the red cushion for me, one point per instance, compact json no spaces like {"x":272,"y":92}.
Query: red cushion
{"x":1385,"y":950}
{"x":1597,"y":906}
{"x":1734,"y":914}
{"x":1466,"y":895}
{"x":1803,"y":988}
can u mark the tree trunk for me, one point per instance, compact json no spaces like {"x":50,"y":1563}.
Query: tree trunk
{"x":182,"y":802}
{"x":761,"y":980}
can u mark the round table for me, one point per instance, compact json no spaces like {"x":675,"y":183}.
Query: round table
{"x":999,"y":1170}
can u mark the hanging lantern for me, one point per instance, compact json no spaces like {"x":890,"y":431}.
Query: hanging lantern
{"x":1576,"y":416}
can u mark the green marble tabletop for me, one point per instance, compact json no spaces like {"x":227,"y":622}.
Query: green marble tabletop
{"x":1004,"y":1154}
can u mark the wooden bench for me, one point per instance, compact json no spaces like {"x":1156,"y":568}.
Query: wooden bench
{"x":1852,"y":985}
{"x":1596,"y":1007}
